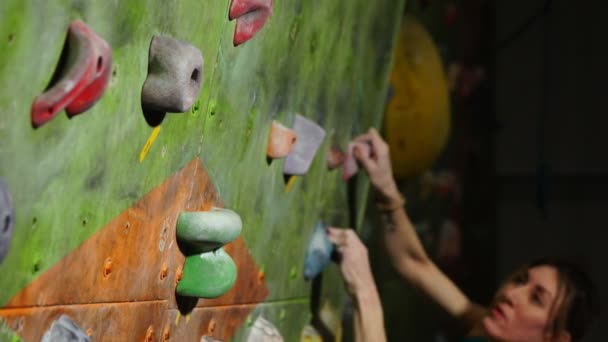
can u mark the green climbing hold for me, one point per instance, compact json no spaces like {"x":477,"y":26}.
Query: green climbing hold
{"x":207,"y":275}
{"x":204,"y":231}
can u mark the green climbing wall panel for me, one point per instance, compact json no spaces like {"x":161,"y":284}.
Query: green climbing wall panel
{"x":328,"y":61}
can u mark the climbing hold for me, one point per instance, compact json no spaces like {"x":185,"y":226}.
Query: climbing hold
{"x":174,"y":80}
{"x":7,"y":219}
{"x":264,"y":331}
{"x":310,"y":136}
{"x":207,"y":275}
{"x":293,"y":272}
{"x":250,"y":15}
{"x":280,"y":141}
{"x":310,"y":334}
{"x":350,"y":163}
{"x":66,"y":330}
{"x":207,"y":338}
{"x":318,"y":253}
{"x":204,"y":231}
{"x":81,"y":76}
{"x":417,"y":119}
{"x":335,"y":158}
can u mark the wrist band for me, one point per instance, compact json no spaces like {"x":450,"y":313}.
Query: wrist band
{"x":392,"y":204}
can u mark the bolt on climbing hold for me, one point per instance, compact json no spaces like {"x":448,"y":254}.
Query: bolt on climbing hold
{"x":250,"y":15}
{"x":335,"y":158}
{"x":7,"y":219}
{"x":293,"y":273}
{"x":350,"y":163}
{"x":318,"y":253}
{"x":204,"y":231}
{"x":263,"y":331}
{"x":66,"y":330}
{"x":80,"y":78}
{"x":174,"y":80}
{"x":280,"y":141}
{"x":310,"y":136}
{"x":208,"y":271}
{"x":207,"y":275}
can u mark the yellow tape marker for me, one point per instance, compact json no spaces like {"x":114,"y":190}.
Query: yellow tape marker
{"x":144,"y":151}
{"x":290,"y":183}
{"x":177,"y":318}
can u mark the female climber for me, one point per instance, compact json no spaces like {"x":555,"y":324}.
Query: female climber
{"x":546,"y":300}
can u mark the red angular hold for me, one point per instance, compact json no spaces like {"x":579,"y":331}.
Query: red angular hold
{"x":81,"y":76}
{"x":250,"y":15}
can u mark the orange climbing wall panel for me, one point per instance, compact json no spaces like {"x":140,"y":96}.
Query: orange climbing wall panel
{"x":127,"y":272}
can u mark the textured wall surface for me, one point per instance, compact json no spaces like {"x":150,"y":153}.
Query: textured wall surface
{"x":71,"y":178}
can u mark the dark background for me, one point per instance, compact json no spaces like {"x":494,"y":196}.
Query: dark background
{"x":528,"y":145}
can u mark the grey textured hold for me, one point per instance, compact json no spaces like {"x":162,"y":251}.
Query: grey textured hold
{"x":175,"y":76}
{"x":209,"y":339}
{"x":65,"y":330}
{"x":310,"y":137}
{"x":7,"y":219}
{"x":264,"y":331}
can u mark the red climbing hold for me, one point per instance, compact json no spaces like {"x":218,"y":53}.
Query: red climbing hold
{"x":81,"y":76}
{"x":250,"y":15}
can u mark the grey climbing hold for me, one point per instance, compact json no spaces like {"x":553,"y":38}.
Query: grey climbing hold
{"x":175,"y":77}
{"x":264,"y":331}
{"x":7,"y":219}
{"x":208,"y":338}
{"x":64,"y":329}
{"x":310,"y":136}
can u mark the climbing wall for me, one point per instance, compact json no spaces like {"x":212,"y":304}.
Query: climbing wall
{"x":91,"y":200}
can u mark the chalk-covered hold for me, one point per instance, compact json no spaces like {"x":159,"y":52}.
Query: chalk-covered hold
{"x":64,"y":329}
{"x":310,"y":138}
{"x":204,"y":231}
{"x":207,"y":275}
{"x":318,"y":254}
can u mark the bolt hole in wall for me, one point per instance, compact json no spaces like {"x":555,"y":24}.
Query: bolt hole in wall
{"x":107,"y":267}
{"x":99,"y":64}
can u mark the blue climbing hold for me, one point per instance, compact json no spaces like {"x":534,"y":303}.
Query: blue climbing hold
{"x":319,"y":252}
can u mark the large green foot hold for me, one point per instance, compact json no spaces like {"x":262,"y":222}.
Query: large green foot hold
{"x":204,"y":231}
{"x":208,"y":275}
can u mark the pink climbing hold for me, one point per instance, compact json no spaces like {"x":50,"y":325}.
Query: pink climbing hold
{"x":76,"y":86}
{"x":335,"y":158}
{"x":350,"y":163}
{"x":250,"y":15}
